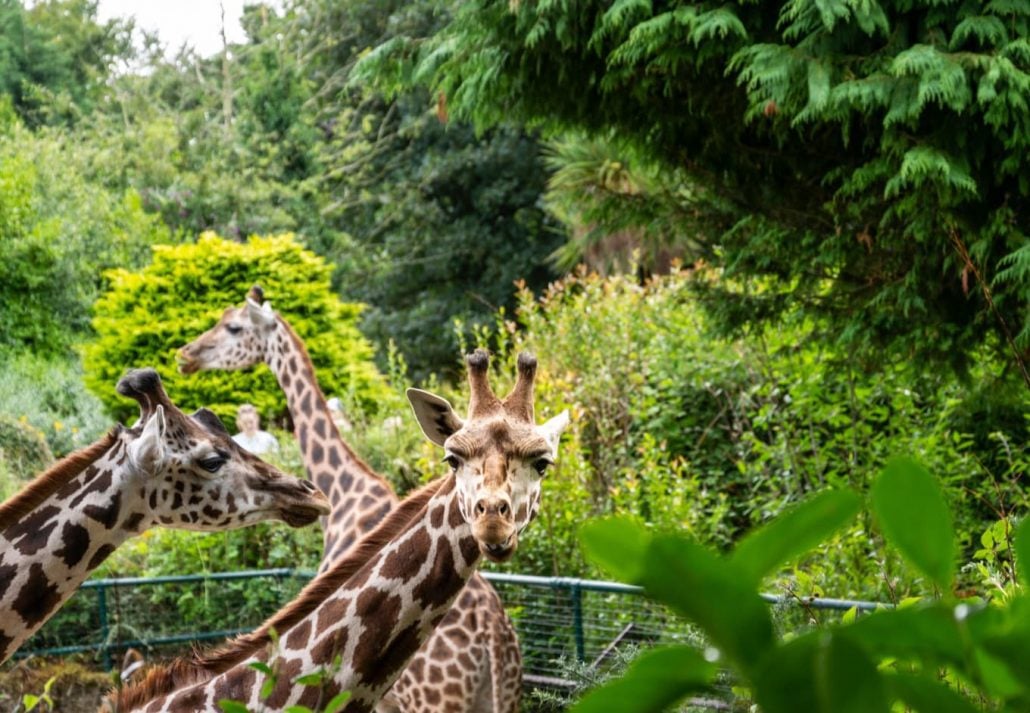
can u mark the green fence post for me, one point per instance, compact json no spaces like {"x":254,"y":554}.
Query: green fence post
{"x":577,"y":620}
{"x":105,"y":630}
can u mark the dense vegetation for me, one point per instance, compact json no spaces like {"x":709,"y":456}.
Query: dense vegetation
{"x":760,"y":250}
{"x":864,"y":160}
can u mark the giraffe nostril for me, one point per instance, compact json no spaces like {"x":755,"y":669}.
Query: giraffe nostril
{"x":480,"y":508}
{"x":503,"y":509}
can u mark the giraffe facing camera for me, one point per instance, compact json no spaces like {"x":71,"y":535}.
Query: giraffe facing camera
{"x":471,"y":662}
{"x":359,"y":622}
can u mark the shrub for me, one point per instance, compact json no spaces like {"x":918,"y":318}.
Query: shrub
{"x":679,"y":428}
{"x":48,"y":394}
{"x":144,"y":317}
{"x":23,"y":451}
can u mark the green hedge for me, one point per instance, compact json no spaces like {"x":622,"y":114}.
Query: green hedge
{"x":145,"y":317}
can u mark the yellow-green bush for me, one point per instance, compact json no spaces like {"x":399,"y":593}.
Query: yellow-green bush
{"x":145,"y":316}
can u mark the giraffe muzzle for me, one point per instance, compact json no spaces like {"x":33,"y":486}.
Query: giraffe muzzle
{"x":500,"y":552}
{"x":305,"y":503}
{"x":496,"y":535}
{"x":187,"y":360}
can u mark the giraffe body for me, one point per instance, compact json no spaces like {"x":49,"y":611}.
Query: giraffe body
{"x":362,"y":620}
{"x":478,"y":626}
{"x":170,"y":469}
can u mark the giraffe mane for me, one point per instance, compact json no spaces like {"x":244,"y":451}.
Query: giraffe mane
{"x":203,"y":666}
{"x":32,"y":495}
{"x":333,"y":430}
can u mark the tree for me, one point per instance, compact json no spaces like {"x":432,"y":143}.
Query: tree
{"x":55,"y":57}
{"x":428,"y":222}
{"x":866,"y":159}
{"x":59,"y":231}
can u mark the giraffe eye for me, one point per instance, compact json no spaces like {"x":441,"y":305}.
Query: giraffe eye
{"x":212,"y":463}
{"x":453,"y":461}
{"x":233,"y":328}
{"x":540,"y":465}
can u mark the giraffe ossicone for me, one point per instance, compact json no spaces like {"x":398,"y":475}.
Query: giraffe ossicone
{"x":170,"y":469}
{"x":484,"y":667}
{"x":372,"y":610}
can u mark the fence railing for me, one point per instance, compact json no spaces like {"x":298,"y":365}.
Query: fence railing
{"x":556,"y":617}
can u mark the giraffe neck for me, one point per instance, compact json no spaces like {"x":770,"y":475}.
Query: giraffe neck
{"x":360,"y":498}
{"x":366,"y":630}
{"x":46,"y":555}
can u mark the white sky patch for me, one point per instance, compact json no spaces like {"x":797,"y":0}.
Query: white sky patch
{"x":197,"y":23}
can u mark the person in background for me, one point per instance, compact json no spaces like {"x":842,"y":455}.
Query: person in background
{"x":251,"y":437}
{"x":336,"y":411}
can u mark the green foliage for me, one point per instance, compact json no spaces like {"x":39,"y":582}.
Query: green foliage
{"x":923,"y":533}
{"x":60,"y":231}
{"x":443,"y":237}
{"x":926,"y":655}
{"x":146,"y":316}
{"x":23,"y":453}
{"x":55,"y":57}
{"x":43,"y":700}
{"x":862,"y":160}
{"x":48,"y":396}
{"x":681,"y":429}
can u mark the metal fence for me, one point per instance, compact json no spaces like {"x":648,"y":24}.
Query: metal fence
{"x":574,"y":620}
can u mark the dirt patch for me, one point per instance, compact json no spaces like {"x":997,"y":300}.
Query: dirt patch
{"x":76,"y":688}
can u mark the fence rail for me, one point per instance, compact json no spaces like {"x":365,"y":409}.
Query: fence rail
{"x":556,"y":617}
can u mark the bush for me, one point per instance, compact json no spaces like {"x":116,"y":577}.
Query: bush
{"x":681,"y":429}
{"x":49,"y":396}
{"x":23,"y":452}
{"x":144,"y":317}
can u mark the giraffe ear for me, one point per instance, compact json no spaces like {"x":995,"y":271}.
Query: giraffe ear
{"x":434,"y":414}
{"x":552,"y":429}
{"x":260,"y":315}
{"x":147,"y":452}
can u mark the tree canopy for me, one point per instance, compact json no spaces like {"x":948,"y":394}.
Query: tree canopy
{"x":866,"y":160}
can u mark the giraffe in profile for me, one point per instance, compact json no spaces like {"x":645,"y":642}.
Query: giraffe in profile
{"x":171,"y":469}
{"x":488,"y":676}
{"x":360,"y":621}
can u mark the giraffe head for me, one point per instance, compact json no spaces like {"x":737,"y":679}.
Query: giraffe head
{"x":498,"y":453}
{"x":195,"y":477}
{"x":241,"y":338}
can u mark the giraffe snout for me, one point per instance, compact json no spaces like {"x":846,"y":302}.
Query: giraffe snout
{"x":494,"y":506}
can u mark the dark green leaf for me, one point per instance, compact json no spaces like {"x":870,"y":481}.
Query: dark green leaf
{"x":1022,"y":544}
{"x":311,"y":679}
{"x":267,"y":686}
{"x":337,"y":702}
{"x":914,"y":517}
{"x":1003,"y":636}
{"x":655,"y":681}
{"x":617,"y":544}
{"x":262,"y":667}
{"x":712,"y":592}
{"x":927,"y":633}
{"x":794,"y":533}
{"x":228,"y":706}
{"x":997,"y":677}
{"x":820,"y":672}
{"x":926,"y":695}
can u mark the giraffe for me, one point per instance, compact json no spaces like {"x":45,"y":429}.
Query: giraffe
{"x":360,"y":499}
{"x":170,"y":469}
{"x":361,"y":620}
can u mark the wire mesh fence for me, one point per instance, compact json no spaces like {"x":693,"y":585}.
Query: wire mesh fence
{"x":557,"y":619}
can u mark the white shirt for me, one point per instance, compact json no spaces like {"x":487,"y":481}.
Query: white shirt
{"x":260,"y":442}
